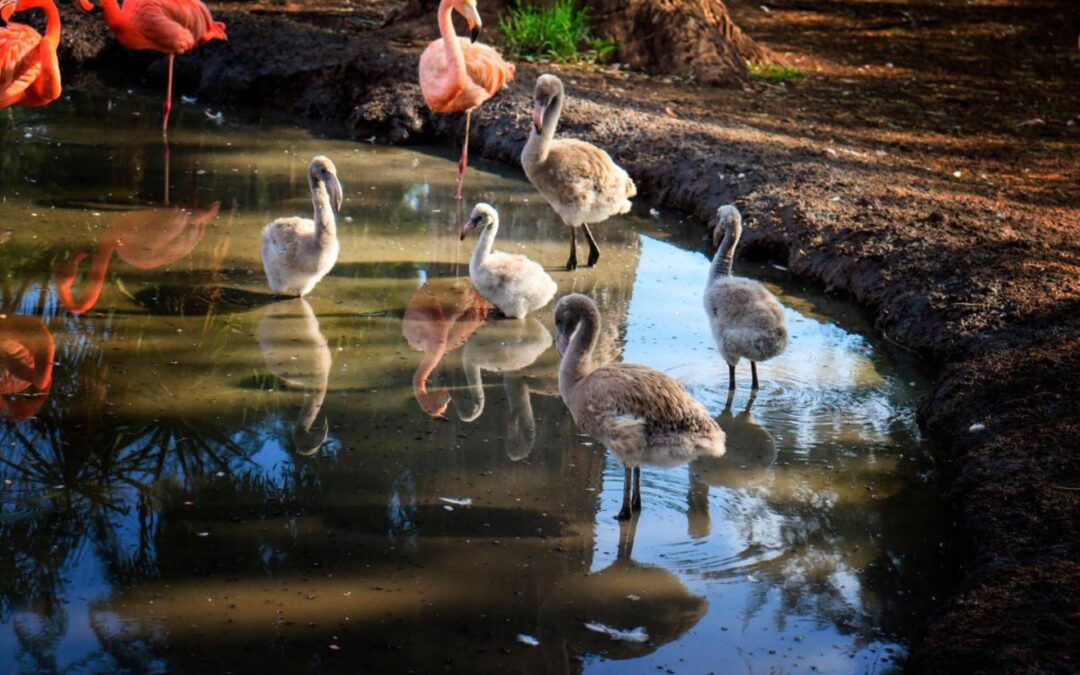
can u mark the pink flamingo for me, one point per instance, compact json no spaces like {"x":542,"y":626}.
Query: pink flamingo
{"x":168,"y":26}
{"x":457,"y":75}
{"x":29,"y":71}
{"x":439,"y":318}
{"x":26,"y":360}
{"x":146,"y":239}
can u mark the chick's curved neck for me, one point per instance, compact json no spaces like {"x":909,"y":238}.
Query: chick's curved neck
{"x":484,"y":246}
{"x":539,"y":143}
{"x":475,"y":380}
{"x":725,"y":255}
{"x":577,"y":362}
{"x":325,"y":224}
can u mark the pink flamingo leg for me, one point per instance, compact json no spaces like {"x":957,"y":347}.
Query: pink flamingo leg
{"x":464,"y":161}
{"x":168,"y":98}
{"x":165,"y":157}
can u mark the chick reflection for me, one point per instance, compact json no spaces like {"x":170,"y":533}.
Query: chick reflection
{"x":297,"y":353}
{"x":751,"y":450}
{"x":439,"y":318}
{"x":506,"y":347}
{"x":521,"y":428}
{"x":625,"y":596}
{"x":146,"y":239}
{"x":26,"y":363}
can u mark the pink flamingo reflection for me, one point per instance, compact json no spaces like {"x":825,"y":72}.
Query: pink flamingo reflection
{"x":146,"y":239}
{"x":439,"y":318}
{"x":26,"y":363}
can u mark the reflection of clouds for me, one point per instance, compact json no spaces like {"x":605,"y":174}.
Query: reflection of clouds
{"x":827,"y":387}
{"x":785,"y":514}
{"x":401,"y":509}
{"x":416,"y":196}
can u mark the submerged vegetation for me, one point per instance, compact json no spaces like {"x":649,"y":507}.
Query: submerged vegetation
{"x":562,"y":32}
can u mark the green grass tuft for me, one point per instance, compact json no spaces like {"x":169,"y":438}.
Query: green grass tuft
{"x":559,"y":33}
{"x":771,"y":72}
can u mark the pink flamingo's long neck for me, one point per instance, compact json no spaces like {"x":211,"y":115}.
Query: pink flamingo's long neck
{"x":454,"y":53}
{"x":114,"y":16}
{"x":52,"y":18}
{"x":95,"y":283}
{"x":433,"y":403}
{"x":44,"y":350}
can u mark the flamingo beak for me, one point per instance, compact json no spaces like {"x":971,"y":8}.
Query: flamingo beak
{"x":538,"y":116}
{"x":336,"y":193}
{"x":307,"y":442}
{"x":561,"y":343}
{"x":472,"y":17}
{"x":470,"y":225}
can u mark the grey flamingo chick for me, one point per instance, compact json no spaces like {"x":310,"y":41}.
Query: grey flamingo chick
{"x":296,"y":252}
{"x":639,"y":414}
{"x":747,"y":320}
{"x":578,"y":179}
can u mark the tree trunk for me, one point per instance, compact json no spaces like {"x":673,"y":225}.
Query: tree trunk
{"x":690,"y":38}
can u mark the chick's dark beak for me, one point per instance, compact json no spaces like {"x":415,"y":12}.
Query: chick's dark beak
{"x":336,"y":191}
{"x":470,"y":225}
{"x":474,"y":34}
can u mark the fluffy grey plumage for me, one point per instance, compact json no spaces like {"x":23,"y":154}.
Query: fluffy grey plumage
{"x":747,"y":320}
{"x":297,"y":253}
{"x":640,"y":414}
{"x":580,"y":181}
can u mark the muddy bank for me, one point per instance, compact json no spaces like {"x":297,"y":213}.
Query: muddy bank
{"x":959,"y":230}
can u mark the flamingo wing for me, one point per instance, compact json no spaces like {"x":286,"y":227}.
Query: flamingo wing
{"x":634,"y":404}
{"x":438,"y":82}
{"x":486,"y":73}
{"x":20,"y":62}
{"x":486,"y":67}
{"x":173,"y":26}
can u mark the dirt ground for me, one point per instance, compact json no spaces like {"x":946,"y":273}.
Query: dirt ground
{"x":928,"y":166}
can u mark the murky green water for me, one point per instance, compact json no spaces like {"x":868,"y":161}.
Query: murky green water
{"x":199,"y":479}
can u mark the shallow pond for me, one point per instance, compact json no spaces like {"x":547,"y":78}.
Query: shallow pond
{"x":380,"y":477}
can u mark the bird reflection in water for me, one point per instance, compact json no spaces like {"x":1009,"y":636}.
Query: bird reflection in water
{"x":26,"y":364}
{"x":297,"y":353}
{"x":146,"y":239}
{"x":751,"y":451}
{"x":506,"y":347}
{"x":440,"y":317}
{"x":626,"y":596}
